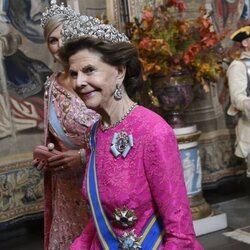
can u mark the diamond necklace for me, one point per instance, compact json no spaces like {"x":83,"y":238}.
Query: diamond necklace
{"x":103,"y":127}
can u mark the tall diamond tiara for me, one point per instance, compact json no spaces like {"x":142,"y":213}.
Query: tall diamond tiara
{"x":55,"y":9}
{"x":88,"y":26}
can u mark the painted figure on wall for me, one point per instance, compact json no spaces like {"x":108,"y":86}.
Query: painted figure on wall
{"x":245,"y":13}
{"x":23,"y":69}
{"x":226,"y":13}
{"x":22,"y":87}
{"x":25,"y":17}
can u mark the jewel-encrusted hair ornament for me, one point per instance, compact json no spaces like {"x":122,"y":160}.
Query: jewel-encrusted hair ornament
{"x":55,"y":9}
{"x":88,"y":26}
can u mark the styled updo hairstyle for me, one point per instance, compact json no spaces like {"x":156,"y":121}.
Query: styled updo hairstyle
{"x":122,"y":53}
{"x":52,"y":24}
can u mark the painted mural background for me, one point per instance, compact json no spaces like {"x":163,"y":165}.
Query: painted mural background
{"x":25,"y":63}
{"x":24,"y":66}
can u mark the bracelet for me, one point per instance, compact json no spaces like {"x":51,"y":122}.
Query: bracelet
{"x":82,"y":154}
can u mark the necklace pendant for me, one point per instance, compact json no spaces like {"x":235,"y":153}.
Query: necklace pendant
{"x":121,"y":144}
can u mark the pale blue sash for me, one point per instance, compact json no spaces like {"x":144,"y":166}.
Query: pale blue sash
{"x":55,"y":123}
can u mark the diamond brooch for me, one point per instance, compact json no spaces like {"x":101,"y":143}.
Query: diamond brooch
{"x":121,"y":144}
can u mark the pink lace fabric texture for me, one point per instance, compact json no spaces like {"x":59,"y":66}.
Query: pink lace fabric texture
{"x":65,"y":210}
{"x":148,"y":180}
{"x":69,"y":210}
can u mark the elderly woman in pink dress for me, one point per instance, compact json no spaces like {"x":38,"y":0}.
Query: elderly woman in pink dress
{"x":134,"y":179}
{"x":67,"y":122}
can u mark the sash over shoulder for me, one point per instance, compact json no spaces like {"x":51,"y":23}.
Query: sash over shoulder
{"x":152,"y":234}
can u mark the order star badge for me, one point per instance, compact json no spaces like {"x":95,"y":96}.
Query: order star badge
{"x":129,"y":241}
{"x":121,"y":144}
{"x":124,"y":217}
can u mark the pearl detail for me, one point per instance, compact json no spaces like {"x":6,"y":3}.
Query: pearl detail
{"x":103,"y":127}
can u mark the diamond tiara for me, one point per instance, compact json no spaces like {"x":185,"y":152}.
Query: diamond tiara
{"x":88,"y":26}
{"x":54,"y":10}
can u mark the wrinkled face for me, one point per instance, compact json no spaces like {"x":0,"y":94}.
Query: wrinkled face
{"x":94,"y":80}
{"x":55,"y":42}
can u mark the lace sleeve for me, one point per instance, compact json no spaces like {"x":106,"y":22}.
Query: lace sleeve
{"x":165,"y":176}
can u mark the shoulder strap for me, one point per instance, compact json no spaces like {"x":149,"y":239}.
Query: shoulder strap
{"x":246,"y":61}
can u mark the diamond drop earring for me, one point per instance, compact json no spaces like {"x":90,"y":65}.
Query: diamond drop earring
{"x":118,"y":93}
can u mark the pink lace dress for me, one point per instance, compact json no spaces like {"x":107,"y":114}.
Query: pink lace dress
{"x":148,"y":180}
{"x":67,"y":123}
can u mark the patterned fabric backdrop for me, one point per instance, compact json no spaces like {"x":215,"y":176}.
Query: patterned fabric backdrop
{"x":24,"y":65}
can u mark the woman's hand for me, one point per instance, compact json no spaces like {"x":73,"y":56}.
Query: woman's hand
{"x":64,"y":160}
{"x":38,"y":164}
